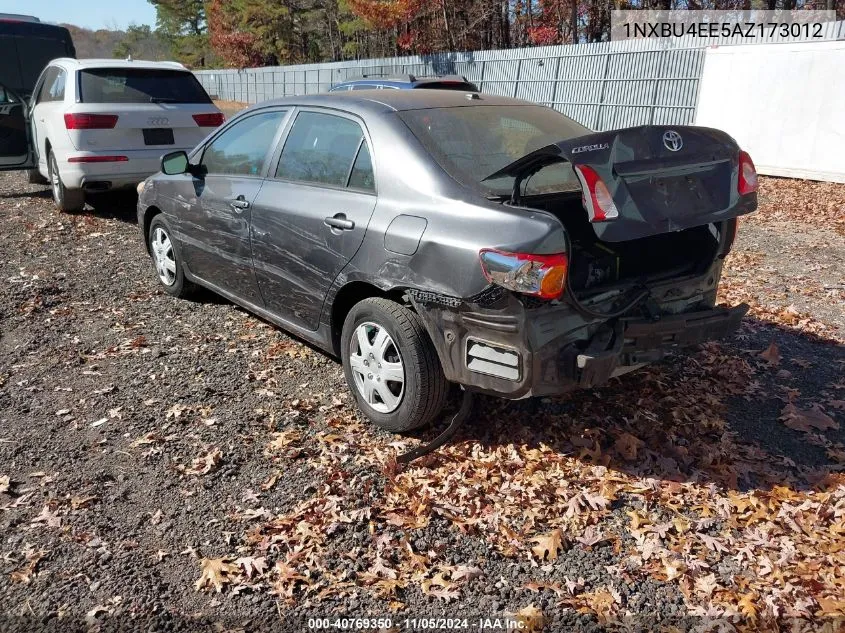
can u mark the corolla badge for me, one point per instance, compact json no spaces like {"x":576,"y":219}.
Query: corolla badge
{"x":590,"y":148}
{"x":672,"y":140}
{"x":158,"y":120}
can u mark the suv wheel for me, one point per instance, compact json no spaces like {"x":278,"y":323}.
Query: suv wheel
{"x":166,"y":260}
{"x":65,"y":199}
{"x":391,"y":365}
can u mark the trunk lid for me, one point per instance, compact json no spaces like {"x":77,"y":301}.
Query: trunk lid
{"x":661,"y":178}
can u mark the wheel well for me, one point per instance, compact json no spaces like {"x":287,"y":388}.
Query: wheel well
{"x":351,"y":294}
{"x":47,"y":148}
{"x":149,"y":214}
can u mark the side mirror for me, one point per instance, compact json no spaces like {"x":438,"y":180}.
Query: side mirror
{"x":174,"y":163}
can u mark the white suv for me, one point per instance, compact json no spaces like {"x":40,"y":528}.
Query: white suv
{"x":100,"y":124}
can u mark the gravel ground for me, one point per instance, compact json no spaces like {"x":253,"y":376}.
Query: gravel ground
{"x":181,"y":465}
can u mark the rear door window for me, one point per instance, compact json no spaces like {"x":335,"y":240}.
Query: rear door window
{"x":322,"y":148}
{"x":140,"y":85}
{"x":242,"y":149}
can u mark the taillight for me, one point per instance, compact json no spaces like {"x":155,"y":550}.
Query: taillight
{"x":543,"y":276}
{"x":597,"y":198}
{"x":90,"y":121}
{"x":98,"y":159}
{"x":212,"y":119}
{"x":747,"y":175}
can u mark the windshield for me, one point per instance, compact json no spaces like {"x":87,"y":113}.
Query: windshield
{"x":140,"y":85}
{"x":472,"y":142}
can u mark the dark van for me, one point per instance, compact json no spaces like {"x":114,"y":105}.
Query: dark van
{"x":26,"y":47}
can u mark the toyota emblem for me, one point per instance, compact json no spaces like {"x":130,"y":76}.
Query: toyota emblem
{"x":672,"y":140}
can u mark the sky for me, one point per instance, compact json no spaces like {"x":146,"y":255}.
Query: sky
{"x":92,"y":14}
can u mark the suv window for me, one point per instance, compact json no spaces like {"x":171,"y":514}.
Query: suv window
{"x":140,"y":85}
{"x":242,"y":148}
{"x":56,"y":91}
{"x":321,"y":149}
{"x":49,"y":79}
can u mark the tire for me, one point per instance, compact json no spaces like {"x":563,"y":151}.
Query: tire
{"x":164,"y":250}
{"x":423,"y":392}
{"x":65,"y":199}
{"x":34,"y":177}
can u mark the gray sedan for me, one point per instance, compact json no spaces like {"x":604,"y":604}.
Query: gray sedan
{"x":430,"y":238}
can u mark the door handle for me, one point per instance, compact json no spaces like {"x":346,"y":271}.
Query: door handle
{"x":339,"y":221}
{"x":239,"y":204}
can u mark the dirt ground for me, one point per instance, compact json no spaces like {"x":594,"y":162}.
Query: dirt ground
{"x":181,"y":465}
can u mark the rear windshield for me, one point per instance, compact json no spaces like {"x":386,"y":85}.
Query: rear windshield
{"x":140,"y":85}
{"x":472,"y":142}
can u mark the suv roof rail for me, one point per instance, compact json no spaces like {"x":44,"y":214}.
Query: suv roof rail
{"x":410,"y":78}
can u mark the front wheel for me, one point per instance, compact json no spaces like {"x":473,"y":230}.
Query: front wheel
{"x":391,"y":365}
{"x":65,"y":199}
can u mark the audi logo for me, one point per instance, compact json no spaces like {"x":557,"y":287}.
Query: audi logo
{"x":158,"y":120}
{"x":672,"y":140}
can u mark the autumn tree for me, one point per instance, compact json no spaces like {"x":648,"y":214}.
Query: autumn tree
{"x":183,"y":24}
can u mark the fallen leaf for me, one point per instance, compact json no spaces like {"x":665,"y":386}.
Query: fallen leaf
{"x":464,"y":572}
{"x":530,"y":619}
{"x":216,"y":572}
{"x":78,"y":502}
{"x":590,"y":537}
{"x":380,"y":569}
{"x":807,"y":420}
{"x":748,"y":606}
{"x":205,"y":463}
{"x":627,"y":446}
{"x":5,"y":483}
{"x":252,"y":566}
{"x":548,"y":545}
{"x":24,"y":574}
{"x":771,"y":354}
{"x":48,"y":518}
{"x":440,"y":588}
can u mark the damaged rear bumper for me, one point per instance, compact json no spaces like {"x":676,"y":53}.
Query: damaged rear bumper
{"x":516,"y":352}
{"x":640,"y":342}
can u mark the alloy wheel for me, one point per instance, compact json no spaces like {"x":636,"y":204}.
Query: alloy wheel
{"x":163,"y":256}
{"x":377,"y":367}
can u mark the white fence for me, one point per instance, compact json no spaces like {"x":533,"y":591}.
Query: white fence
{"x":603,"y":86}
{"x":783,"y":103}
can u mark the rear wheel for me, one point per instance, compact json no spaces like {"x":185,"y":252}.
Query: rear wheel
{"x":65,"y":199}
{"x":391,"y":365}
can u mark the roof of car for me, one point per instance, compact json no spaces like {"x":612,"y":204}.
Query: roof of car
{"x":394,"y":100}
{"x":119,"y":63}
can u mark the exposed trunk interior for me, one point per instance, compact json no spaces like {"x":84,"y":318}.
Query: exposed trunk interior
{"x":596,"y":264}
